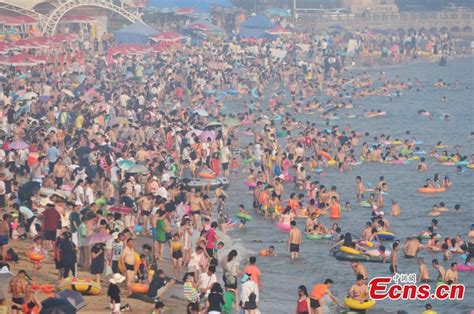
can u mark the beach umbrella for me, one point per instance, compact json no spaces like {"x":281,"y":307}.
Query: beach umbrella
{"x":28,"y":189}
{"x":213,"y":125}
{"x":125,"y":164}
{"x":195,"y":132}
{"x":75,"y":298}
{"x":138,"y":169}
{"x":201,"y":112}
{"x":231,"y":122}
{"x":68,"y":92}
{"x":207,"y":134}
{"x":121,"y":210}
{"x":18,"y":145}
{"x":98,"y":237}
{"x":30,"y":95}
{"x":57,"y":306}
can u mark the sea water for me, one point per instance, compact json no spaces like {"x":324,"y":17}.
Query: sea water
{"x":282,"y":276}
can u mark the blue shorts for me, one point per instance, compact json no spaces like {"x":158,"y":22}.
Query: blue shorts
{"x":153,"y":233}
{"x":3,"y":239}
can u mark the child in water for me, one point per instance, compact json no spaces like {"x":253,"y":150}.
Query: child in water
{"x":243,"y":211}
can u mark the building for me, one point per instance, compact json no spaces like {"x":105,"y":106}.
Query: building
{"x":372,"y":6}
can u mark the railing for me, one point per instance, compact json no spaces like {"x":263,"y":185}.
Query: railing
{"x":388,"y":17}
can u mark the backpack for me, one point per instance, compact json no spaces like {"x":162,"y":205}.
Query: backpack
{"x":13,"y":255}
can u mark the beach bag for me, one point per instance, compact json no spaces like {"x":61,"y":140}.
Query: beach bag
{"x":13,"y":255}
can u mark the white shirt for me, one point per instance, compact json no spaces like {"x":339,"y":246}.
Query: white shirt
{"x":79,"y":191}
{"x":114,"y":174}
{"x":247,"y":288}
{"x":206,"y":281}
{"x":89,"y":195}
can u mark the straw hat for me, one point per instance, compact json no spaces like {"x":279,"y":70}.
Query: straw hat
{"x":117,"y":278}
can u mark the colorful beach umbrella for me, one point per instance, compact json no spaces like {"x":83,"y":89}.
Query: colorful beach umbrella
{"x":18,"y":145}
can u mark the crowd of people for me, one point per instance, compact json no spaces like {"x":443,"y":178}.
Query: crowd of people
{"x":113,"y":164}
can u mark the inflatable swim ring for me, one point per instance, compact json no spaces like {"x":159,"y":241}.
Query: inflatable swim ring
{"x":462,"y":163}
{"x":356,"y":305}
{"x":81,"y":285}
{"x":331,"y":163}
{"x":465,"y":267}
{"x":431,"y":190}
{"x":384,"y":235}
{"x":244,"y":216}
{"x":140,"y":288}
{"x":206,"y":175}
{"x":283,"y":227}
{"x":349,"y":250}
{"x":365,"y":204}
{"x":341,"y":256}
{"x":36,"y":257}
{"x":311,"y":236}
{"x":427,"y":236}
{"x":324,"y":154}
{"x":251,"y":184}
{"x":470,"y":166}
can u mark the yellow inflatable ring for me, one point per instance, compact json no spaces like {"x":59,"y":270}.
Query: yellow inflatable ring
{"x":356,"y":305}
{"x":349,"y":250}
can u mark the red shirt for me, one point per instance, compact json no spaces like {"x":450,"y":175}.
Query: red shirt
{"x":211,"y":239}
{"x":52,"y":219}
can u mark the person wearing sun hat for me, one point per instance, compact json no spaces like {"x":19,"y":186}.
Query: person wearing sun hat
{"x":113,"y":292}
{"x":250,"y":295}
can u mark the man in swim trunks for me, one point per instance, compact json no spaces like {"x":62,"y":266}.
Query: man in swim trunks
{"x":451,"y":275}
{"x":318,"y":292}
{"x":359,"y":269}
{"x":439,"y":268}
{"x":128,"y":261}
{"x":359,"y":291}
{"x":294,"y":240}
{"x":424,"y":273}
{"x":411,"y":248}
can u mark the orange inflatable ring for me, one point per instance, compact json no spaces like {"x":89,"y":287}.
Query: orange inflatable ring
{"x":263,"y":252}
{"x":36,"y":257}
{"x":139,"y":288}
{"x":324,"y":154}
{"x":431,"y":190}
{"x":206,"y":175}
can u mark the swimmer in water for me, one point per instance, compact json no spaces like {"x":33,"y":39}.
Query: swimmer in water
{"x":422,"y":165}
{"x":434,"y":211}
{"x":395,"y":209}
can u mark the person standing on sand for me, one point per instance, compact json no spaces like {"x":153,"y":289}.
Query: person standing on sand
{"x":128,"y":261}
{"x":294,"y":240}
{"x":5,"y":234}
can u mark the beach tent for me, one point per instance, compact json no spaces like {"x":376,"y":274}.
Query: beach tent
{"x":258,"y":21}
{"x":136,"y":33}
{"x":203,"y":25}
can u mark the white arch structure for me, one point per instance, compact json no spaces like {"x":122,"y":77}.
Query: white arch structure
{"x":23,"y":11}
{"x":49,"y":27}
